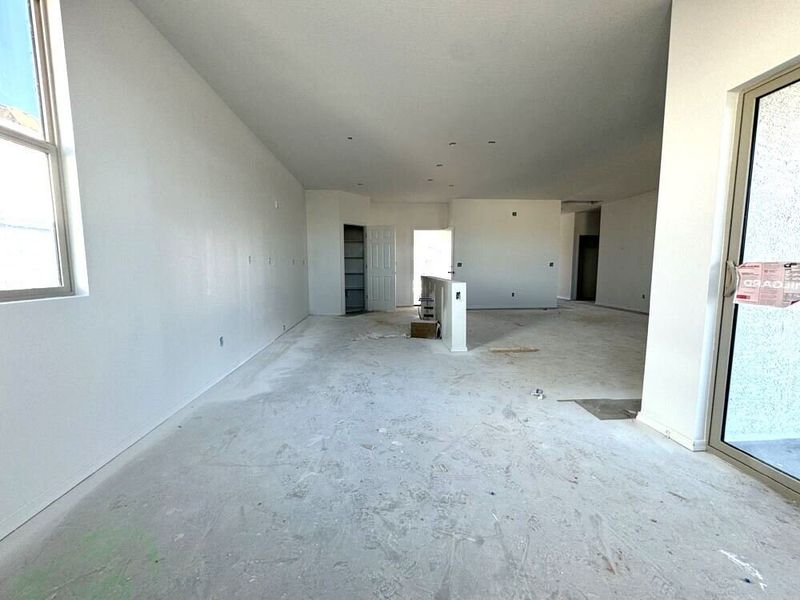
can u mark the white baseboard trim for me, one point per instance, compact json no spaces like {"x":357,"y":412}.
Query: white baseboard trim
{"x":28,"y":511}
{"x":623,"y":309}
{"x":683,"y":440}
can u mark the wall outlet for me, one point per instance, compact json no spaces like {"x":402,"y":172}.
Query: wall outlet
{"x":552,"y":264}
{"x":514,"y":214}
{"x":221,"y":341}
{"x":512,"y":294}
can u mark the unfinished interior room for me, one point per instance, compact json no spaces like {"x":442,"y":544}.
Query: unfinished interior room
{"x":399,"y":299}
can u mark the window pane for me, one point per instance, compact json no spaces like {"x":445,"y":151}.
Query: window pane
{"x":28,"y":247}
{"x":19,"y":90}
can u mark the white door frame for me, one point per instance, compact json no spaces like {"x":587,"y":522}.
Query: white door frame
{"x":726,"y":320}
{"x":451,"y":270}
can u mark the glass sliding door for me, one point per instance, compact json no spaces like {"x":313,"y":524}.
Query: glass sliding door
{"x":756,"y":412}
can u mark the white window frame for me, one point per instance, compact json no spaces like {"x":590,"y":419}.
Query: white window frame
{"x":49,"y":145}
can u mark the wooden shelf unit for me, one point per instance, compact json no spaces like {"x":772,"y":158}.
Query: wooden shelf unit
{"x":354,"y":280}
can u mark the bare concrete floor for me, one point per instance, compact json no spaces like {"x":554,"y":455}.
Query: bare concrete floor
{"x":340,"y":463}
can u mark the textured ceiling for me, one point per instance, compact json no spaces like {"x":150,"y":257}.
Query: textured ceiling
{"x":571,"y":91}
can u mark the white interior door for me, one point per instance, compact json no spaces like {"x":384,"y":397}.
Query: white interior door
{"x":381,"y":268}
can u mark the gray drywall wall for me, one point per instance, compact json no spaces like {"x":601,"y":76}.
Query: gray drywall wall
{"x":327,"y":212}
{"x":184,"y":244}
{"x":625,"y":266}
{"x":502,"y":254}
{"x":325,"y":278}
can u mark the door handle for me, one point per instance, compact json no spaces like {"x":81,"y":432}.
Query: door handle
{"x":731,"y":279}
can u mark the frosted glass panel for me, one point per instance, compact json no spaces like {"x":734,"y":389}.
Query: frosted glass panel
{"x":763,"y":409}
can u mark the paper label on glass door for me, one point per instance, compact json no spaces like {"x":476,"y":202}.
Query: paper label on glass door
{"x":768,"y":284}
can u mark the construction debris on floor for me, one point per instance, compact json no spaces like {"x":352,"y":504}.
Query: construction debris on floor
{"x":609,"y":409}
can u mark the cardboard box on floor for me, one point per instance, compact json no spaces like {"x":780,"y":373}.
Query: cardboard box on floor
{"x":424,"y":329}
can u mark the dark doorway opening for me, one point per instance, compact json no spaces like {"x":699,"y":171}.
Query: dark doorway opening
{"x":588,"y":252}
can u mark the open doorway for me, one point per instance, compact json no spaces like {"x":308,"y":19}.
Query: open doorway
{"x":433,"y":255}
{"x":588,"y":255}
